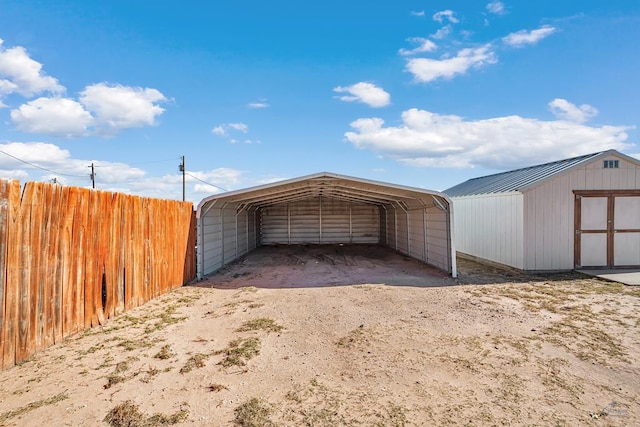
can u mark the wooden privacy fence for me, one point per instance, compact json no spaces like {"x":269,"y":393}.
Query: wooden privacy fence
{"x":71,"y":257}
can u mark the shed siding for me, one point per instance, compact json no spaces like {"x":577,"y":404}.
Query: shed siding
{"x":549,"y":211}
{"x":490,"y":226}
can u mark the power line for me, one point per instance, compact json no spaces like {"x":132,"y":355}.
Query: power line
{"x":144,"y":163}
{"x":205,"y":182}
{"x":39,"y":167}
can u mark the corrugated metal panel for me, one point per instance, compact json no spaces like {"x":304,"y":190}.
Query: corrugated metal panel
{"x":317,"y":220}
{"x":516,"y":179}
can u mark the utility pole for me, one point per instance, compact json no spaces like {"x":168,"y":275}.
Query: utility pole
{"x":93,"y":176}
{"x":182,"y":168}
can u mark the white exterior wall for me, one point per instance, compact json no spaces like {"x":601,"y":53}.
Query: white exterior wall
{"x":490,"y":226}
{"x":549,"y":211}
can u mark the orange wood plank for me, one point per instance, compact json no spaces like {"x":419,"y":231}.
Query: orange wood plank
{"x":148,"y":215}
{"x":89,"y":253}
{"x":36,"y":294}
{"x":78,"y":250}
{"x":41,"y":219}
{"x":65,"y":223}
{"x":119,"y":252}
{"x":52,"y":230}
{"x":137,"y":260}
{"x":12,"y":294}
{"x":103,"y":243}
{"x":111,"y":256}
{"x":128,"y":235}
{"x":69,"y":263}
{"x":4,"y":229}
{"x":24,"y":277}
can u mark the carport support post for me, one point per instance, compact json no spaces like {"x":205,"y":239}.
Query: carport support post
{"x":395,"y":221}
{"x":320,"y":222}
{"x":350,"y":225}
{"x":424,"y":226}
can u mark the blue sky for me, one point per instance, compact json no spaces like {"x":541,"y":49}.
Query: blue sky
{"x":419,"y":93}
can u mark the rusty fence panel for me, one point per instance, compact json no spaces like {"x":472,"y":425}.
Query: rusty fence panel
{"x":71,"y":258}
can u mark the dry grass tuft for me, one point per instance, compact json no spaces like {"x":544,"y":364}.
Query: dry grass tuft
{"x":217,"y":387}
{"x":128,"y":414}
{"x":164,"y":353}
{"x":31,"y":406}
{"x":253,"y":413}
{"x":195,"y":361}
{"x":239,"y":351}
{"x":117,"y":377}
{"x":260,"y":324}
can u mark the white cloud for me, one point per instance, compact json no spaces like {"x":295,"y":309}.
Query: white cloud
{"x":223,"y":129}
{"x":430,"y":139}
{"x":34,"y":152}
{"x":21,"y":74}
{"x":364,"y":92}
{"x":564,"y":110}
{"x":442,"y":32}
{"x":62,"y":117}
{"x":219,"y":130}
{"x":417,"y":13}
{"x":119,"y":107}
{"x":428,"y":69}
{"x":102,"y":110}
{"x":258,"y":104}
{"x":446,"y":14}
{"x":424,"y":45}
{"x":239,"y":126}
{"x":524,"y":37}
{"x":496,"y":7}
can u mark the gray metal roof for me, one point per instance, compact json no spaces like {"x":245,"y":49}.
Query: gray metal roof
{"x":518,"y":179}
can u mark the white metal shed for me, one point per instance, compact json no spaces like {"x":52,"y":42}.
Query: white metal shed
{"x":325,"y":208}
{"x":573,"y":213}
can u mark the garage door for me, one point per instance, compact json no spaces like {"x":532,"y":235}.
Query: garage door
{"x":607,"y":228}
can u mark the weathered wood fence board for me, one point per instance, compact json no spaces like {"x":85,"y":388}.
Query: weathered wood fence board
{"x":71,"y":258}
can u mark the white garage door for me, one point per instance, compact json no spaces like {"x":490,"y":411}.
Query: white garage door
{"x":607,"y":229}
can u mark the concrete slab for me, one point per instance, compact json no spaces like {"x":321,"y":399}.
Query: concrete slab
{"x":628,"y":276}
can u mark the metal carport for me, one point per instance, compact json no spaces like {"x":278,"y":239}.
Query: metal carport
{"x":326,"y":208}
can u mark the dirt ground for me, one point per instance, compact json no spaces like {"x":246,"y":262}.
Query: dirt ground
{"x":348,"y":336}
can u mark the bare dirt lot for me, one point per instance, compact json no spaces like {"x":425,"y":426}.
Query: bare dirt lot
{"x":344,"y":336}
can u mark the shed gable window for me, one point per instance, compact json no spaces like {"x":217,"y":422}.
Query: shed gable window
{"x":611,"y":164}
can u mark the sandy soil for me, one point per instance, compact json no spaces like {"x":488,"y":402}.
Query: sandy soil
{"x":348,"y":336}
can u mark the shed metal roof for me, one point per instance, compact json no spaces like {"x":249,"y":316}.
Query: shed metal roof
{"x":519,"y":179}
{"x":324,"y":184}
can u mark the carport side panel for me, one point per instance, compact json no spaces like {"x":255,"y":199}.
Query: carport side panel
{"x":211,"y":241}
{"x":438,"y":239}
{"x":229,"y":234}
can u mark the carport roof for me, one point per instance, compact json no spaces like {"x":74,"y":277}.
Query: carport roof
{"x":328,"y":185}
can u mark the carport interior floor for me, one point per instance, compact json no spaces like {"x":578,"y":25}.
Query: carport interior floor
{"x":300,"y":266}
